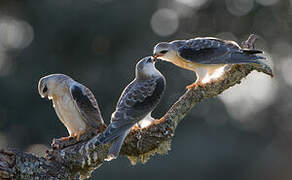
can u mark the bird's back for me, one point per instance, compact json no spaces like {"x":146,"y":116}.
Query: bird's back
{"x":216,"y":51}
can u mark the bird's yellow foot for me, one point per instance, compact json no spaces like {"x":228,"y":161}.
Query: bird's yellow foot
{"x":194,"y":85}
{"x":191,"y":86}
{"x":135,"y":127}
{"x":78,"y":134}
{"x":158,"y":121}
{"x":65,"y":138}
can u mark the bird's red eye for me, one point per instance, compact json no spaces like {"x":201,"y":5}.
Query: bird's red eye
{"x":163,"y":52}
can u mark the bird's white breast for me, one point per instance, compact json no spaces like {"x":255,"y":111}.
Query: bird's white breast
{"x":149,"y":69}
{"x":69,"y":114}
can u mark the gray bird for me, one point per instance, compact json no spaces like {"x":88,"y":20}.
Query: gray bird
{"x":136,"y":103}
{"x":205,"y":55}
{"x":75,"y":105}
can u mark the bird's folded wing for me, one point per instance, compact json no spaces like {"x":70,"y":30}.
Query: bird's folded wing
{"x":142,"y":96}
{"x":87,"y":105}
{"x":208,"y":51}
{"x":136,"y":93}
{"x":137,"y":100}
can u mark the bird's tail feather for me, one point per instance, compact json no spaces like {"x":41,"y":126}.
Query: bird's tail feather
{"x":251,"y":58}
{"x":116,"y":147}
{"x":115,"y":134}
{"x":111,"y":133}
{"x":241,"y":58}
{"x":252,"y":51}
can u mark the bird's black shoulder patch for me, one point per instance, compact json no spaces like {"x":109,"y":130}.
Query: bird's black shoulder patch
{"x":81,"y":99}
{"x":190,"y":53}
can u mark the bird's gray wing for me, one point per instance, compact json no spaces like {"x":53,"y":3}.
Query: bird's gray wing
{"x":87,"y":105}
{"x":137,"y":100}
{"x":216,"y":51}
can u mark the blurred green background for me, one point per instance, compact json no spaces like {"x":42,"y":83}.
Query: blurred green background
{"x":244,"y":134}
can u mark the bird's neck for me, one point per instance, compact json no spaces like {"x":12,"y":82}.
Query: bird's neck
{"x":143,"y":77}
{"x":147,"y":72}
{"x":180,"y":62}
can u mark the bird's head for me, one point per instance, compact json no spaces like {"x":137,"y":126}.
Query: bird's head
{"x":165,"y":51}
{"x":48,"y":85}
{"x":146,"y":67}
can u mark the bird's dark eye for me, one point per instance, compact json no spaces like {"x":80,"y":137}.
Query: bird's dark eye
{"x":45,"y":89}
{"x":149,"y":60}
{"x":163,"y":52}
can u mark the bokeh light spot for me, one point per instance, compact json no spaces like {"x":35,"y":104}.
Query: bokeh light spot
{"x":15,"y":34}
{"x":254,"y":94}
{"x":285,"y":67}
{"x":193,"y":3}
{"x":164,"y":22}
{"x":239,"y":7}
{"x":267,"y":2}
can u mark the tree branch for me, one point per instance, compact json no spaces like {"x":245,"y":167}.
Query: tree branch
{"x":77,"y":160}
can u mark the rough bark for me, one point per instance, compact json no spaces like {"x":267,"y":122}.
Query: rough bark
{"x":77,"y":160}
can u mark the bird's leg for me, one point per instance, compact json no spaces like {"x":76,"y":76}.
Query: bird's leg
{"x":65,"y":138}
{"x":136,"y":127}
{"x":61,"y":142}
{"x":194,"y":85}
{"x":201,"y":73}
{"x":72,"y":138}
{"x":78,"y":134}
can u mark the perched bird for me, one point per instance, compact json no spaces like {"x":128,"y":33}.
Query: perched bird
{"x":205,"y":55}
{"x":136,"y":103}
{"x":74,"y":104}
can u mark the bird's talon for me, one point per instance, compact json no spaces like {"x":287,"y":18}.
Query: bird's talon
{"x":135,"y":127}
{"x":65,"y":138}
{"x":191,"y":86}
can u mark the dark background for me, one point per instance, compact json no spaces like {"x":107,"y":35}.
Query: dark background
{"x":244,"y":134}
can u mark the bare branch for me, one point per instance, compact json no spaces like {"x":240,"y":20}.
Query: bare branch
{"x":78,"y":159}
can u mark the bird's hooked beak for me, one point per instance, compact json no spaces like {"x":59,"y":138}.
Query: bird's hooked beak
{"x":155,"y":56}
{"x":44,"y":96}
{"x":42,"y":89}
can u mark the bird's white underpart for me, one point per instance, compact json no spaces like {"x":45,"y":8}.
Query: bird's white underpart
{"x":150,"y":69}
{"x":147,"y":121}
